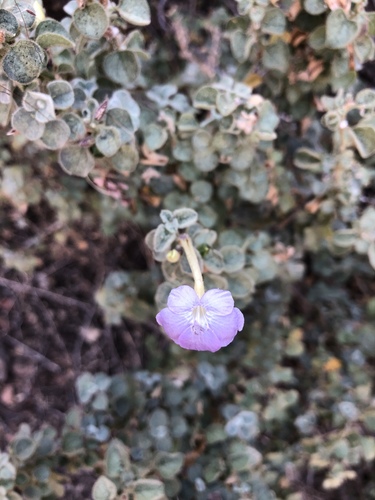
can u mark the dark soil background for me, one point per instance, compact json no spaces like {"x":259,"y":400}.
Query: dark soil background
{"x":50,"y":325}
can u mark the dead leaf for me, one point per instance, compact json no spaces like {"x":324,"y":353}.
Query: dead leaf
{"x":294,"y":10}
{"x":153,"y":158}
{"x":150,"y":173}
{"x":273,"y":195}
{"x":253,"y":80}
{"x":313,"y":206}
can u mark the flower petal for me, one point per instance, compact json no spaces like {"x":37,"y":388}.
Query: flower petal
{"x":218,"y":302}
{"x":226,"y":327}
{"x":182,"y":299}
{"x":173,"y":324}
{"x":206,"y":341}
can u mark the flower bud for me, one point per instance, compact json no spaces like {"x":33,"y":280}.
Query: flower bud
{"x":173,"y":256}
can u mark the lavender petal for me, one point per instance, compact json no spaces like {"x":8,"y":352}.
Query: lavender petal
{"x":182,"y":299}
{"x":174,"y":324}
{"x":218,"y":302}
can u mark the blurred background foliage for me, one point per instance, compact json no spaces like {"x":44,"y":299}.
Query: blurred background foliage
{"x":251,"y":124}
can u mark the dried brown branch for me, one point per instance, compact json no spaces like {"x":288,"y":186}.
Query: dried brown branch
{"x":56,"y":297}
{"x":207,"y":66}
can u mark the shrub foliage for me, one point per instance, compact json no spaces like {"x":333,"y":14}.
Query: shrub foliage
{"x":250,"y":129}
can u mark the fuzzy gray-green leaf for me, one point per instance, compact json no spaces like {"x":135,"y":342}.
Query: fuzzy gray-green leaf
{"x":364,"y":139}
{"x":205,"y":98}
{"x":121,"y":67}
{"x":135,"y":12}
{"x":126,"y":159}
{"x":163,"y":238}
{"x":149,"y":489}
{"x":62,"y":94}
{"x":91,"y":21}
{"x":24,"y":61}
{"x":76,"y":160}
{"x":340,"y":31}
{"x":104,"y":489}
{"x":25,"y":123}
{"x":8,"y":25}
{"x":155,"y":136}
{"x":51,"y":33}
{"x":56,"y":134}
{"x":76,"y":126}
{"x":108,"y":141}
{"x":273,"y":22}
{"x":185,"y":217}
{"x":234,"y":258}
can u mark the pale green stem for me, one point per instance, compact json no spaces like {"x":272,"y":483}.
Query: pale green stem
{"x":187,"y":245}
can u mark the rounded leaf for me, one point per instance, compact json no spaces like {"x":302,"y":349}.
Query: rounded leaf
{"x":104,"y":489}
{"x":149,"y":489}
{"x":135,"y":12}
{"x":122,"y":99}
{"x":242,"y":158}
{"x":240,"y":44}
{"x":91,"y":21}
{"x":206,"y":160}
{"x":24,"y":62}
{"x":340,"y":32}
{"x":155,"y":136}
{"x":8,"y":25}
{"x":23,"y":448}
{"x":23,"y":12}
{"x":241,"y":285}
{"x":366,"y":98}
{"x":205,"y":98}
{"x":50,"y":33}
{"x":32,"y":492}
{"x":86,"y":387}
{"x":185,"y":217}
{"x":201,"y":191}
{"x":76,"y":126}
{"x":41,"y":104}
{"x":226,"y":103}
{"x":62,"y":94}
{"x":274,"y":22}
{"x":364,"y":48}
{"x":121,"y":67}
{"x":308,"y":159}
{"x":56,"y":134}
{"x":163,"y":238}
{"x":72,"y":443}
{"x":276,"y":56}
{"x":234,"y":258}
{"x":213,"y":261}
{"x":364,"y":140}
{"x":169,"y":464}
{"x":126,"y":159}
{"x":116,"y":459}
{"x":25,"y":123}
{"x":75,"y":160}
{"x":317,"y":38}
{"x":315,"y":7}
{"x":108,"y":141}
{"x":121,"y":119}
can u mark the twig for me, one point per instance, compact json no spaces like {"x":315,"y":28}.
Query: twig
{"x":50,"y":365}
{"x":161,"y":16}
{"x":56,"y":297}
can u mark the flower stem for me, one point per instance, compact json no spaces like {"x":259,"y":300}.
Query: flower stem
{"x":187,"y":245}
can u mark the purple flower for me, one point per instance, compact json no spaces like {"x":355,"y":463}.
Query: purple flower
{"x":201,"y":324}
